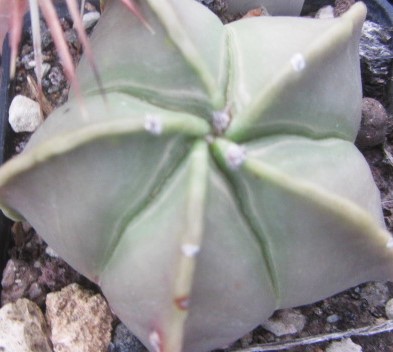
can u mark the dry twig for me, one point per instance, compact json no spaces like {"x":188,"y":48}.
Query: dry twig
{"x":386,"y":326}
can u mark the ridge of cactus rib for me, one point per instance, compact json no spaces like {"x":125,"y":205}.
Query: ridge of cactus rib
{"x":195,"y":164}
{"x":171,"y":22}
{"x":64,"y":143}
{"x":245,"y":127}
{"x":137,"y":229}
{"x":203,"y":75}
{"x":332,"y":202}
{"x":343,"y":209}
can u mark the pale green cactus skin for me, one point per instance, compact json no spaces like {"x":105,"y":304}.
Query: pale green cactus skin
{"x":218,"y":180}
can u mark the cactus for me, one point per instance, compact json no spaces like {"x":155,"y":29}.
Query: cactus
{"x":216,"y":180}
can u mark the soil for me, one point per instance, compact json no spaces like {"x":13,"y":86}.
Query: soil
{"x":34,"y":270}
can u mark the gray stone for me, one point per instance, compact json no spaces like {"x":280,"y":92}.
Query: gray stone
{"x":23,"y":328}
{"x":51,"y":252}
{"x":346,"y":345}
{"x":376,"y":58}
{"x":342,"y":6}
{"x":79,"y":320}
{"x":285,"y":322}
{"x":25,"y":114}
{"x":125,"y":341}
{"x":376,"y":293}
{"x":332,"y":319}
{"x":373,"y":125}
{"x":90,"y":19}
{"x":389,"y":309}
{"x":18,"y":277}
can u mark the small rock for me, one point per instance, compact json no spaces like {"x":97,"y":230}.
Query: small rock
{"x":247,"y":340}
{"x":332,"y":319}
{"x":285,"y":322}
{"x":19,"y":235}
{"x":71,"y":36}
{"x":18,"y":276}
{"x":51,"y":252}
{"x":23,"y":328}
{"x":318,"y":311}
{"x":125,"y":341}
{"x":389,"y":309}
{"x":90,"y":19}
{"x":346,"y":345}
{"x":342,"y":6}
{"x":79,"y":320}
{"x":25,"y":114}
{"x":374,"y":123}
{"x":55,"y":273}
{"x":376,"y":293}
{"x":56,"y":77}
{"x":376,"y":59}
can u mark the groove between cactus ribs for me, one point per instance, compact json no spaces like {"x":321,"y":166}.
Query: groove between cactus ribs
{"x":132,"y":214}
{"x":298,"y":131}
{"x":230,"y":75}
{"x":256,"y":231}
{"x":148,"y":96}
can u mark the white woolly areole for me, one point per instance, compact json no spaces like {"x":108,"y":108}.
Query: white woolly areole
{"x":153,"y":124}
{"x":155,"y":341}
{"x":221,"y":121}
{"x":389,"y":244}
{"x":235,"y":156}
{"x":190,"y":250}
{"x":298,"y":62}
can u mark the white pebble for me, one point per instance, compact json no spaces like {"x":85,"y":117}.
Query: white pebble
{"x":23,"y":328}
{"x":25,"y":114}
{"x":89,"y":19}
{"x":346,"y":345}
{"x":389,"y":309}
{"x":298,"y":62}
{"x":51,"y":252}
{"x":285,"y":322}
{"x":332,"y":319}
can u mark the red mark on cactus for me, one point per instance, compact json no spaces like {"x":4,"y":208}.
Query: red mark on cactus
{"x":182,"y":302}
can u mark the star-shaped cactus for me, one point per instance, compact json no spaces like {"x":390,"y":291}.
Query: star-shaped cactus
{"x":217,"y":179}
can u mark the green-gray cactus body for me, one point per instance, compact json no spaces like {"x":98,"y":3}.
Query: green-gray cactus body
{"x":217,"y":181}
